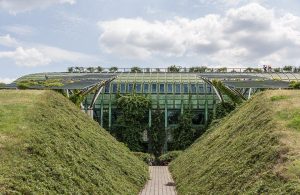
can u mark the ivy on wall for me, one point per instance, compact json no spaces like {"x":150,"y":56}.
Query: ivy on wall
{"x":132,"y":121}
{"x":184,"y":135}
{"x":157,"y":134}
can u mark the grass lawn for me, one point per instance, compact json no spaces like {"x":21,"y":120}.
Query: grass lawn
{"x":254,"y":150}
{"x":47,"y":145}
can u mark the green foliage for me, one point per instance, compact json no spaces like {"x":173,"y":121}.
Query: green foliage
{"x":70,"y":69}
{"x":199,"y":69}
{"x":295,"y":84}
{"x":258,"y":70}
{"x":184,"y":134}
{"x":48,"y":146}
{"x":239,"y":155}
{"x":146,"y":157}
{"x":25,"y":84}
{"x":234,"y":97}
{"x":166,"y":158}
{"x":288,"y":68}
{"x":113,"y":69}
{"x":132,"y":122}
{"x":2,"y":84}
{"x":278,"y":97}
{"x":135,"y":69}
{"x":99,"y":69}
{"x":276,"y":69}
{"x":91,"y":69}
{"x":222,"y":109}
{"x":249,"y":69}
{"x":223,"y":69}
{"x":174,"y":68}
{"x":157,"y":134}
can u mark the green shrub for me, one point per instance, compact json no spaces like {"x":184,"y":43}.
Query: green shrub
{"x":198,"y":69}
{"x":166,"y":158}
{"x":146,"y":157}
{"x":295,"y":84}
{"x":174,"y":68}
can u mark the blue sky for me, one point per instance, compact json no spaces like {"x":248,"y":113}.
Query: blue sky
{"x":51,"y":35}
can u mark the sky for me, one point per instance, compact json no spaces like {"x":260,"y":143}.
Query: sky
{"x":51,"y":35}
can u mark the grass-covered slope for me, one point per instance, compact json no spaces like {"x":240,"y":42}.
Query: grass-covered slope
{"x":48,"y":146}
{"x":255,"y":150}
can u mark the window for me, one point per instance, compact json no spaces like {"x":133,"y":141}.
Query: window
{"x":201,"y":88}
{"x":138,"y":88}
{"x":123,"y":87}
{"x":170,"y":88}
{"x":107,"y":88}
{"x":146,"y":87}
{"x":177,"y":88}
{"x":173,"y":117}
{"x":130,"y":87}
{"x":154,"y":88}
{"x":193,"y":88}
{"x":162,"y":88}
{"x":185,"y":88}
{"x":208,"y":88}
{"x":114,"y":87}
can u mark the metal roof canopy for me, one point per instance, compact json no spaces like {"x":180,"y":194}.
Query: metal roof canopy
{"x":69,"y":80}
{"x":230,"y":76}
{"x":266,"y":84}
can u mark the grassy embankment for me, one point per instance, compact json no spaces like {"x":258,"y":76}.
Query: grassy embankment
{"x":47,"y":145}
{"x":254,"y":150}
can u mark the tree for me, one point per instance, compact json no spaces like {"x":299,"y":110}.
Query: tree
{"x":184,"y":134}
{"x":113,"y":69}
{"x":157,"y":134}
{"x":174,"y":68}
{"x":198,"y":69}
{"x":70,"y":69}
{"x":99,"y":69}
{"x":135,"y":69}
{"x":132,"y":122}
{"x":91,"y":69}
{"x":288,"y":68}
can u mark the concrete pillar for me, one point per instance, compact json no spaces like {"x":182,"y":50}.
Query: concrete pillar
{"x":90,"y":112}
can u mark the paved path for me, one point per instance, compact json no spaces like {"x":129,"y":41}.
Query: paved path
{"x":160,"y":183}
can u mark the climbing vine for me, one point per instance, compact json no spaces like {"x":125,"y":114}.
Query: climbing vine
{"x":157,"y":134}
{"x":184,"y":134}
{"x":132,"y":122}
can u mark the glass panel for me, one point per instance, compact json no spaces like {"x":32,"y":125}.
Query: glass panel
{"x":122,"y":88}
{"x":115,"y":87}
{"x":170,"y":87}
{"x":208,"y":89}
{"x":130,"y":87}
{"x":107,"y":88}
{"x":173,"y":117}
{"x":193,"y":88}
{"x":201,"y":88}
{"x":154,"y":88}
{"x":185,"y":88}
{"x":138,"y":88}
{"x":146,"y":87}
{"x":162,"y":88}
{"x":177,"y":88}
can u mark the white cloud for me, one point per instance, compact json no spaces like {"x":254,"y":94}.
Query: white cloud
{"x":245,"y":35}
{"x":17,"y":6}
{"x":8,"y":41}
{"x":7,"y":80}
{"x":39,"y":55}
{"x":26,"y":57}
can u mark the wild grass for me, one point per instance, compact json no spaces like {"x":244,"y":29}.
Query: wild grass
{"x":48,"y":146}
{"x":254,"y":150}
